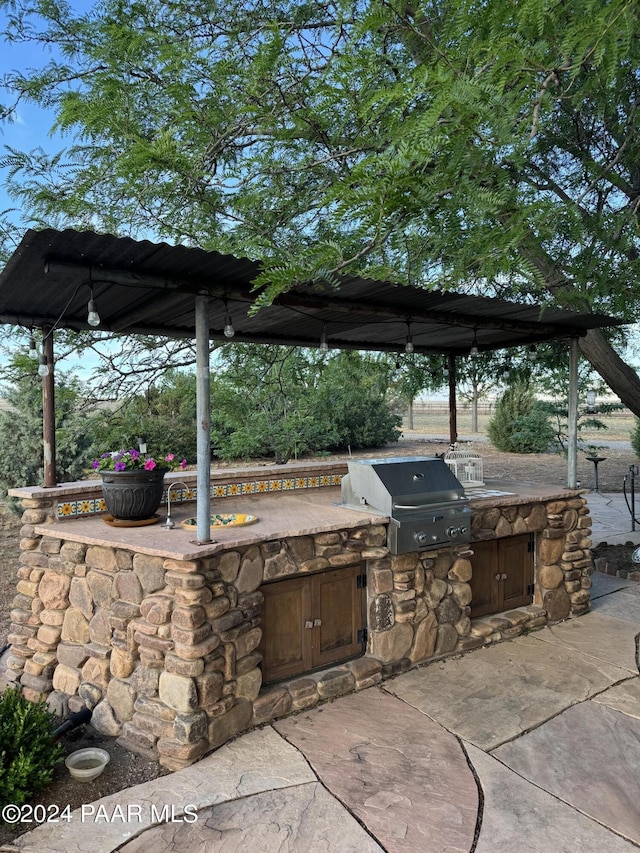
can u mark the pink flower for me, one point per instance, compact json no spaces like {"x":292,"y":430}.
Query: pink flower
{"x":183,"y":464}
{"x":149,"y":464}
{"x":170,"y":457}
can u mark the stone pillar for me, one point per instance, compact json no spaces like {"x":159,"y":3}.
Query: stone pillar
{"x":31,"y":660}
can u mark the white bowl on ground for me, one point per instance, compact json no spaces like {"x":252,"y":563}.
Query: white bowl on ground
{"x":87,"y":764}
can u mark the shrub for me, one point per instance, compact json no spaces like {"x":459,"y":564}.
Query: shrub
{"x":27,"y":753}
{"x":272,"y":401}
{"x":635,"y":437}
{"x":520,"y":424}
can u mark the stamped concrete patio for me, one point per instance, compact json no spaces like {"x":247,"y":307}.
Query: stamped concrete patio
{"x":530,"y":745}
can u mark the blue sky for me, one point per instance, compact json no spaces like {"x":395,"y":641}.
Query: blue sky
{"x":30,"y":129}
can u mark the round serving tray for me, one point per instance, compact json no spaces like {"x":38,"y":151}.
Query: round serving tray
{"x":222,"y":519}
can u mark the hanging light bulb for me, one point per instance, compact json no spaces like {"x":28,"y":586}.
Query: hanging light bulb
{"x":33,"y":349}
{"x":324,"y":343}
{"x":229,"y":331}
{"x":43,"y":366}
{"x":93,"y":318}
{"x":408,"y":347}
{"x":474,"y":351}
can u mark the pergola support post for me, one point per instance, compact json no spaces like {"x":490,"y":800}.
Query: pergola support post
{"x":203,"y":414}
{"x":49,"y":412}
{"x":572,"y":418}
{"x":453,"y":404}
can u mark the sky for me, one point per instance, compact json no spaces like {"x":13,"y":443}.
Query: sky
{"x":30,"y":129}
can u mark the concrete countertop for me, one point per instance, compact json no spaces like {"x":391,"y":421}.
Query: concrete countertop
{"x":516,"y":493}
{"x":301,"y":513}
{"x":281,"y":515}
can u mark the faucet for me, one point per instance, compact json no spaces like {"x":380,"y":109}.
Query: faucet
{"x":170,"y":523}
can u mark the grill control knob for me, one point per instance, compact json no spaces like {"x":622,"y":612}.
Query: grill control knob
{"x":453,"y":531}
{"x":421,"y":537}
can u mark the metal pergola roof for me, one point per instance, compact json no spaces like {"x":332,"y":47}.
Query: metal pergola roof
{"x":147,"y":288}
{"x":156,"y":289}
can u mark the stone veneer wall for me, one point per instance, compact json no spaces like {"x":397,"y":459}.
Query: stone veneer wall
{"x":563,"y":562}
{"x":165,"y":651}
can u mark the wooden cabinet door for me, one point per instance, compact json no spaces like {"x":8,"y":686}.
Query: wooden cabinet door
{"x":310,"y":622}
{"x":286,"y":643}
{"x":337,"y":615}
{"x":485,"y":589}
{"x":502,"y":576}
{"x":515,"y":560}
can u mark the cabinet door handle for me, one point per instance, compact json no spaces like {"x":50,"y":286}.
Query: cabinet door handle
{"x":317,"y":623}
{"x":498,"y":576}
{"x":503,"y":578}
{"x":308,"y":624}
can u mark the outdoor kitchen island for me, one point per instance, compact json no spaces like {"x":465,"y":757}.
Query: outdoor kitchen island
{"x":178,"y":647}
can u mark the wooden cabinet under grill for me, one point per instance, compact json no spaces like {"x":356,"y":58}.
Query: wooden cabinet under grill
{"x":312,"y":621}
{"x":502,"y":574}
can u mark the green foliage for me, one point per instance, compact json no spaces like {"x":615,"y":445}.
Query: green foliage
{"x":282,"y":403}
{"x":486,"y":145}
{"x":27,"y":753}
{"x":520,"y":424}
{"x":350,"y":400}
{"x":164,"y":416}
{"x":22,"y":461}
{"x":587,"y":419}
{"x":635,"y":438}
{"x":492,"y":143}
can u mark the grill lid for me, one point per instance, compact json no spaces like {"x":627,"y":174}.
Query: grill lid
{"x":400,"y":484}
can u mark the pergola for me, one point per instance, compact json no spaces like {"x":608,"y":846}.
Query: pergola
{"x":139,"y":287}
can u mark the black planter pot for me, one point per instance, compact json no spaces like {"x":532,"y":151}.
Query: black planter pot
{"x":133,"y":495}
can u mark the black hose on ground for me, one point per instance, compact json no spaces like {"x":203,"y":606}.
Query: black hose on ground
{"x":72,"y":722}
{"x":626,"y":500}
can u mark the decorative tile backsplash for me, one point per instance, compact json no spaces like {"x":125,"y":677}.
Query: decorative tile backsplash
{"x":84,"y":507}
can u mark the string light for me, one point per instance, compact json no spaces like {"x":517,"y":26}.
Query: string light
{"x":324,"y":343}
{"x":474,"y":351}
{"x":229,"y":331}
{"x":93,"y":318}
{"x":408,"y":347}
{"x":43,"y":366}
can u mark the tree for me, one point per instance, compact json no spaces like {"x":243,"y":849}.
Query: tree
{"x":283,"y":402}
{"x":414,"y":373}
{"x":477,"y":375}
{"x":489,"y":145}
{"x":22,"y":459}
{"x":164,"y":416}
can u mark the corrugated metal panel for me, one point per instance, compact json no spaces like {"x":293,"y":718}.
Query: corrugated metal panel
{"x":143,"y":287}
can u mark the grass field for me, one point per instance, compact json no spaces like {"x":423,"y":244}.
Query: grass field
{"x":619,"y":425}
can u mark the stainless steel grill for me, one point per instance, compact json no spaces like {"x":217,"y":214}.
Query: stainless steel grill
{"x":425,"y":501}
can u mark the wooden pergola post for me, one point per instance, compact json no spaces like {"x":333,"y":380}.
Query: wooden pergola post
{"x":453,"y":415}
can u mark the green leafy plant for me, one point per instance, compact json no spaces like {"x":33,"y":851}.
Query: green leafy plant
{"x":28,"y":754}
